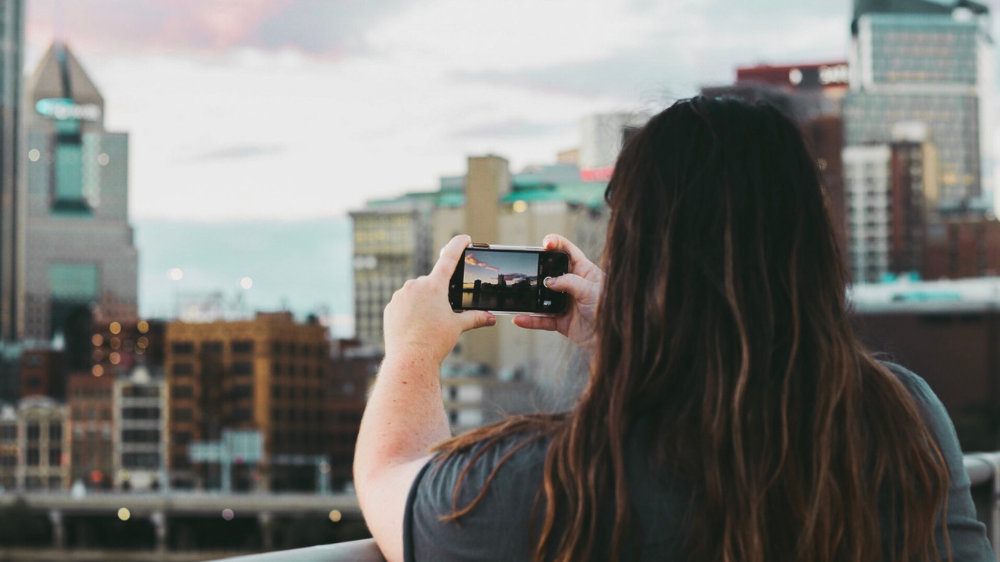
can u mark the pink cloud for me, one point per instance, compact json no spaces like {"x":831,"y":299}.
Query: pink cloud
{"x":316,"y":27}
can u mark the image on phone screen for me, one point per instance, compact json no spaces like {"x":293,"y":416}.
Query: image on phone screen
{"x":508,"y":281}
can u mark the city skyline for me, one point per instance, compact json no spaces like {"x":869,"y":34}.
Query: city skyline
{"x":230,"y":104}
{"x":489,"y":267}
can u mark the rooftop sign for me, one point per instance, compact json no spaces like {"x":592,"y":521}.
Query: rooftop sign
{"x":65,"y":108}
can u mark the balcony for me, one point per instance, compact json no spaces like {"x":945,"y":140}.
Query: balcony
{"x":983,"y":469}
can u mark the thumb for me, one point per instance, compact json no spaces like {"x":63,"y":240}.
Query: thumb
{"x":472,"y":319}
{"x":573,"y":285}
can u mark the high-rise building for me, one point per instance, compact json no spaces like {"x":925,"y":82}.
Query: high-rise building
{"x":43,"y":373}
{"x":391,"y":244}
{"x":140,"y":436}
{"x":352,"y":372}
{"x":81,"y":262}
{"x":866,"y":183}
{"x":969,"y":247}
{"x":266,"y":374}
{"x":11,"y":162}
{"x":92,"y":425}
{"x":917,"y":60}
{"x":33,"y":442}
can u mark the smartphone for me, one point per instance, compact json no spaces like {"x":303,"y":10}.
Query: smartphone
{"x":508,"y":280}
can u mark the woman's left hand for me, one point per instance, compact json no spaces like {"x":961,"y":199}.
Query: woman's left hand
{"x":419,"y":320}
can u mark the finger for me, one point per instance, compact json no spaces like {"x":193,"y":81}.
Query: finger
{"x":472,"y":319}
{"x":450,"y":255}
{"x":573,"y":285}
{"x":577,"y":259}
{"x":535,"y":322}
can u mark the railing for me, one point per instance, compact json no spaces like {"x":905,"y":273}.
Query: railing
{"x":983,"y":469}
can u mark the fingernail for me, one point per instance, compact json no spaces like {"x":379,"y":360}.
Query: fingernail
{"x":491,"y":321}
{"x":546,"y":242}
{"x":546,"y":282}
{"x":441,"y":252}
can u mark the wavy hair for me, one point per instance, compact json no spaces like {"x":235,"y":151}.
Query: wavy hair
{"x":722,"y":324}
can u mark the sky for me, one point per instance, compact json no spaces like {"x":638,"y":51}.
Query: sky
{"x":290,"y":110}
{"x":488,"y":266}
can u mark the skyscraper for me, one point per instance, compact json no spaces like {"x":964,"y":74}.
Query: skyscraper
{"x":917,"y":60}
{"x":11,"y":157}
{"x":81,"y":263}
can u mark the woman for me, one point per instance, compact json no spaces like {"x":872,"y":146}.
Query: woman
{"x":731,"y":414}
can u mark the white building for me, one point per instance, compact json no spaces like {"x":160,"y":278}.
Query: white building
{"x":866,"y":187}
{"x":140,"y":438}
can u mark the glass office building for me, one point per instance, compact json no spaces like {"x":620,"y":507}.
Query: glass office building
{"x":933,"y":63}
{"x":81,"y":262}
{"x":11,"y":158}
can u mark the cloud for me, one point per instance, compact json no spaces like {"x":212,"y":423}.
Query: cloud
{"x":325,"y":28}
{"x":514,"y":128}
{"x":696,"y":45}
{"x":238,"y":151}
{"x":471,"y":260}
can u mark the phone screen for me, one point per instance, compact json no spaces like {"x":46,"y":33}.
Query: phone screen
{"x":507,"y":280}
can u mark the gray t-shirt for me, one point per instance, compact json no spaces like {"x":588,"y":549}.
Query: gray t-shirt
{"x":501,"y":526}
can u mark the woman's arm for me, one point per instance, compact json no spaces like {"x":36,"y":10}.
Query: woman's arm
{"x":405,"y":413}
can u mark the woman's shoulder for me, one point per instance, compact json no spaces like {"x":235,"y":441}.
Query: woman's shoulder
{"x":935,"y":415}
{"x":512,"y":466}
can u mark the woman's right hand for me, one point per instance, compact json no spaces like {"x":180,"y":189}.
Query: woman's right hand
{"x":582,"y":284}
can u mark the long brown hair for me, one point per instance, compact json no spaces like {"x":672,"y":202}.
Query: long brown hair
{"x":723,"y":325}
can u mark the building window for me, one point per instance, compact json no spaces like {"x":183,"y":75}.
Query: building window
{"x":242,"y":368}
{"x":182,"y":369}
{"x":141,"y":436}
{"x":55,"y":431}
{"x":241,"y":346}
{"x":55,"y":456}
{"x":141,"y":413}
{"x":140,"y":460}
{"x":183,"y":414}
{"x":8,"y":461}
{"x":276,"y":391}
{"x":182,"y":437}
{"x":33,"y":457}
{"x":8,"y":432}
{"x":276,"y":369}
{"x":34,"y":431}
{"x":214,"y":347}
{"x":243,"y":391}
{"x":242,"y":414}
{"x":55,"y":482}
{"x":183,"y":391}
{"x":183,"y":347}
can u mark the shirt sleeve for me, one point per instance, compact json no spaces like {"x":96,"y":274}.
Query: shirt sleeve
{"x":498,"y":528}
{"x":966,"y":533}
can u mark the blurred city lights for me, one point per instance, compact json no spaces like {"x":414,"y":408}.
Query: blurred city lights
{"x":520,"y":206}
{"x":142,"y":342}
{"x":175,"y":274}
{"x":324,"y":467}
{"x":227,"y":514}
{"x":115,"y":328}
{"x":124,"y":514}
{"x":124,"y":475}
{"x":335,"y":516}
{"x":115,"y":358}
{"x":143,"y":327}
{"x":115,"y":343}
{"x":97,"y":339}
{"x":97,"y":370}
{"x":34,"y":155}
{"x":246,"y":283}
{"x":103,"y":159}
